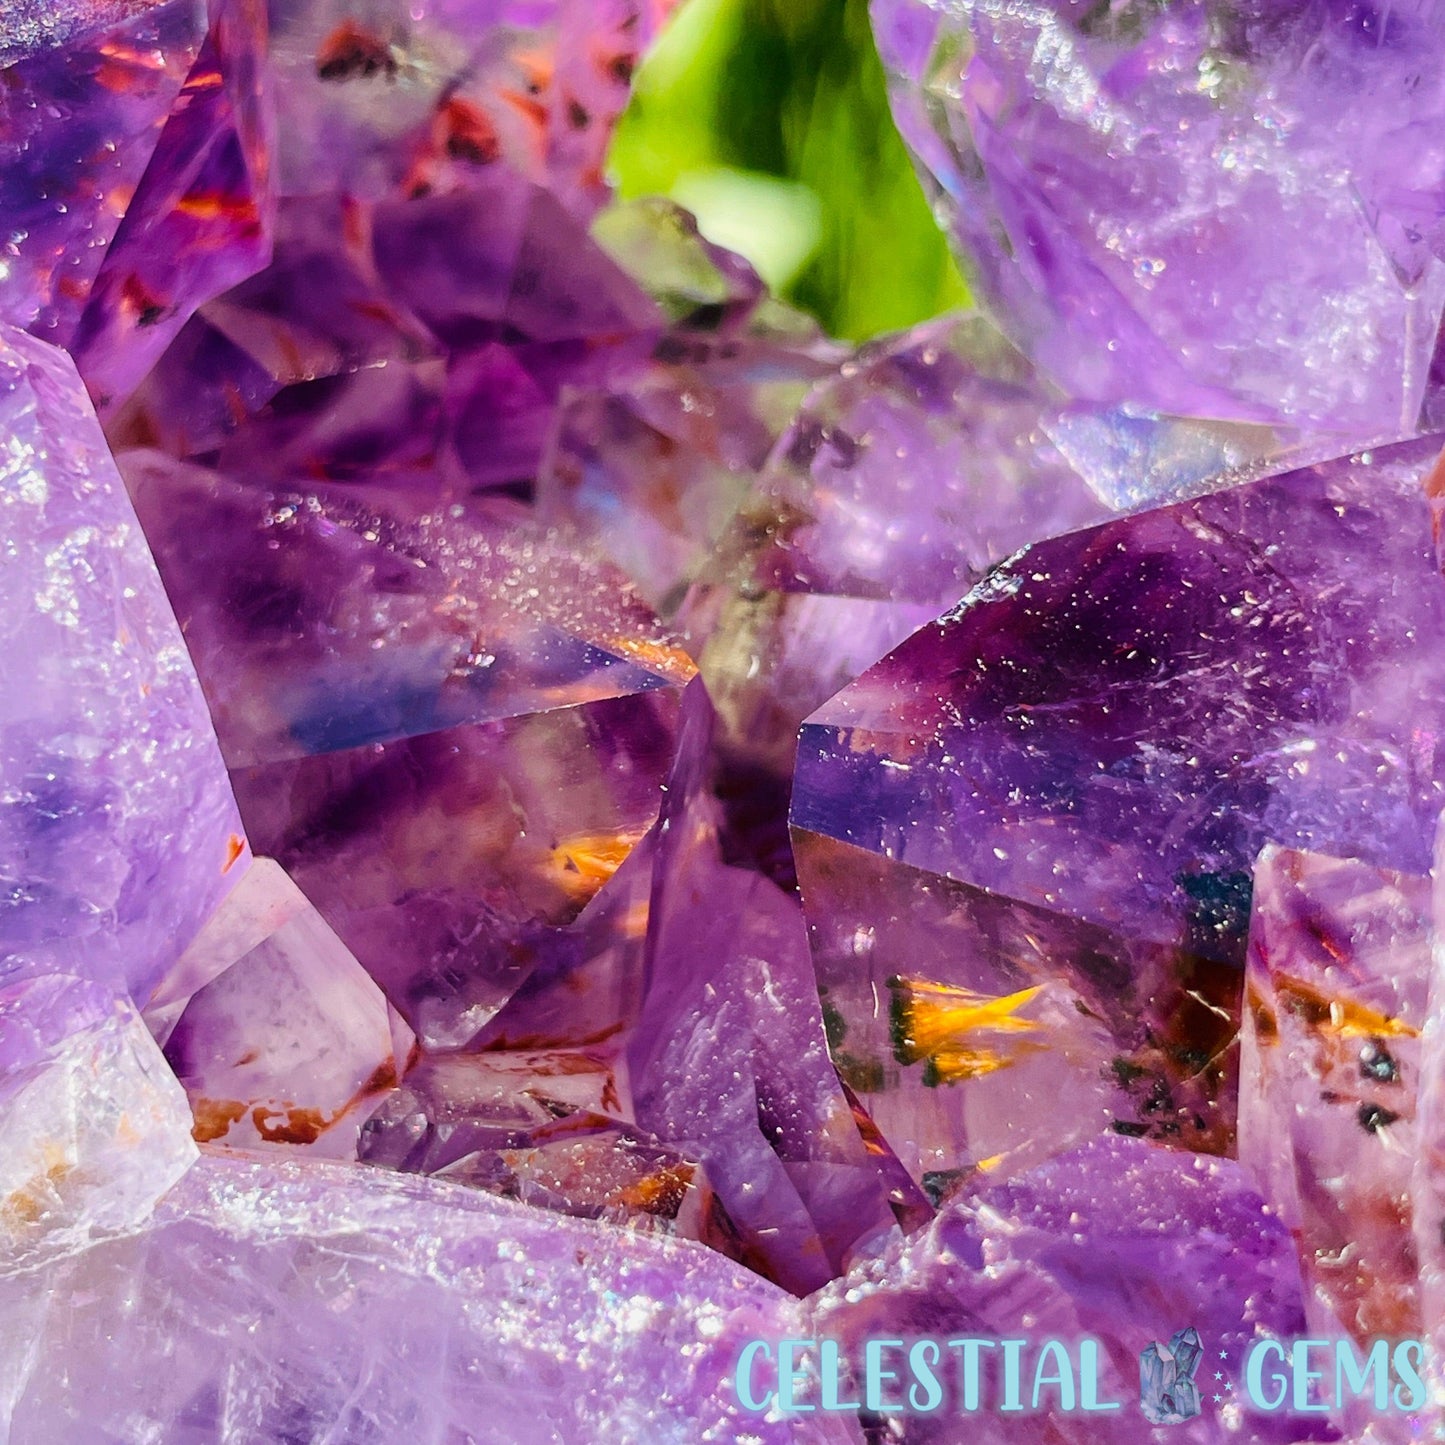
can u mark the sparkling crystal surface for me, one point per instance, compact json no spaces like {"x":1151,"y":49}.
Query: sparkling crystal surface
{"x":118,"y":831}
{"x":201,"y":217}
{"x":93,"y":1126}
{"x":378,"y":687}
{"x":1092,"y":748}
{"x":484,"y":1302}
{"x":1106,"y":172}
{"x":79,"y":124}
{"x":1117,"y":1242}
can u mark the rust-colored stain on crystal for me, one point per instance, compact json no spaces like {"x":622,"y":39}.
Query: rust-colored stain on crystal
{"x":350,"y":52}
{"x":666,"y":659}
{"x":466,"y":132}
{"x":661,"y":1193}
{"x":213,"y":1118}
{"x":291,"y":1126}
{"x":1336,"y":1015}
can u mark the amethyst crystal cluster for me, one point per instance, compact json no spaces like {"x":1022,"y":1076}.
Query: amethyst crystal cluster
{"x":559,"y":829}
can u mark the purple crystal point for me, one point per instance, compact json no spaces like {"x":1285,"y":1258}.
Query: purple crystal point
{"x":118,"y":830}
{"x":266,"y":378}
{"x":201,"y":218}
{"x":729,"y":1053}
{"x":93,"y":1127}
{"x":1097,"y":742}
{"x":1117,"y":1242}
{"x":249,"y":1304}
{"x":1336,"y":986}
{"x":1106,"y":172}
{"x":543,"y":1128}
{"x":410,"y":352}
{"x":1168,"y":1394}
{"x":293,"y":1042}
{"x":676,"y":1041}
{"x":383,"y":691}
{"x":79,"y":123}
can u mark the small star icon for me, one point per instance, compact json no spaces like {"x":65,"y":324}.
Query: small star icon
{"x":1218,"y":1398}
{"x":1218,"y":1374}
{"x":1224,"y":1354}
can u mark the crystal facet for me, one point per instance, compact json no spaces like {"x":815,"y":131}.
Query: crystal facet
{"x":118,"y":831}
{"x":1142,"y":196}
{"x":1071,"y":774}
{"x":251,"y":1300}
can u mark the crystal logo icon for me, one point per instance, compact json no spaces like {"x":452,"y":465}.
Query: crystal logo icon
{"x":1167,"y":1392}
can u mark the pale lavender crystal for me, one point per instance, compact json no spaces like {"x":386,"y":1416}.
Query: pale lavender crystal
{"x":728,"y":1053}
{"x":118,"y":831}
{"x":93,"y":1126}
{"x":1097,"y":742}
{"x":545,"y":1128}
{"x":1144,"y":196}
{"x":1335,"y":998}
{"x":1119,"y":1242}
{"x":292,"y":1043}
{"x":249,"y":1308}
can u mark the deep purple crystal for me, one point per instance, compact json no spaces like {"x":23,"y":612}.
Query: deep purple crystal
{"x":1070,"y":775}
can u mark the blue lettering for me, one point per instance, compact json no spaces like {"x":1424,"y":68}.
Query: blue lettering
{"x":1254,"y":1371}
{"x":1408,"y":1354}
{"x":790,"y":1377}
{"x":743,"y":1380}
{"x":921,"y":1359}
{"x":1304,"y":1377}
{"x":1062,"y":1378}
{"x":1089,"y":1378}
{"x":968,"y":1369}
{"x":832,"y":1378}
{"x":874,"y":1375}
{"x":1012,"y":1349}
{"x":1353,"y":1375}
